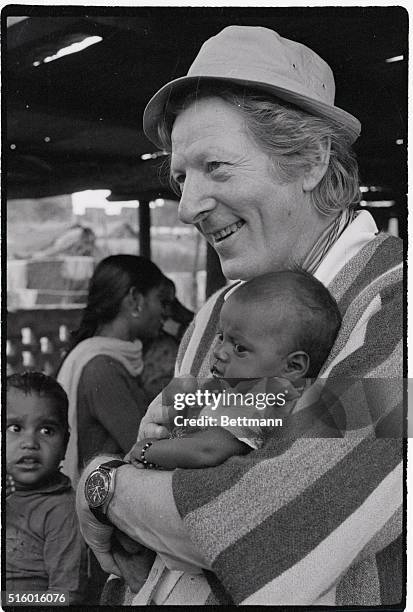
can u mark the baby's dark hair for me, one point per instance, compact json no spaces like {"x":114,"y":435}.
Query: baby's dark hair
{"x":44,"y":386}
{"x":315,"y":312}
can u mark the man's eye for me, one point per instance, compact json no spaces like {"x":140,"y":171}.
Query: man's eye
{"x":13,"y":428}
{"x":213,"y":165}
{"x":179,"y":179}
{"x":220,"y":336}
{"x":240,"y":348}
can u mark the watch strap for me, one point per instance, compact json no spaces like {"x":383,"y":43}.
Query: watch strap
{"x":114,"y":463}
{"x":100,"y":515}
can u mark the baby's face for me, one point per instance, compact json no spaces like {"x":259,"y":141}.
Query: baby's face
{"x":34,"y":439}
{"x":245,"y":348}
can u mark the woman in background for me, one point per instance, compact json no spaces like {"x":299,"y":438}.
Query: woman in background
{"x":102,"y":370}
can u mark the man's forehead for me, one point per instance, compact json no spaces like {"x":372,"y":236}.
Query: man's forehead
{"x":202,"y":124}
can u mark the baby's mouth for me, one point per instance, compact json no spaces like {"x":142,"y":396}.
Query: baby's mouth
{"x":227,"y":231}
{"x":216,"y":373}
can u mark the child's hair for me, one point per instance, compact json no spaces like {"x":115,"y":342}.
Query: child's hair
{"x":316,"y":316}
{"x":44,"y":386}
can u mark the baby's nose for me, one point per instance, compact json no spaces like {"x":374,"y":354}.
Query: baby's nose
{"x":221,"y":352}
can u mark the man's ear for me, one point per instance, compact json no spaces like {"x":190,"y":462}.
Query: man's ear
{"x":315,"y":172}
{"x":297,"y":365}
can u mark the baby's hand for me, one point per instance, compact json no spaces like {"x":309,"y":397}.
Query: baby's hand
{"x":159,"y":418}
{"x":10,"y":485}
{"x":134,"y":455}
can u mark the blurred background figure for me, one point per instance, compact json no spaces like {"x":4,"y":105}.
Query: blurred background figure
{"x":160,"y":352}
{"x":78,"y":240}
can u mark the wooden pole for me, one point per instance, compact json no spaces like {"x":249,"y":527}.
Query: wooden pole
{"x":144,"y":213}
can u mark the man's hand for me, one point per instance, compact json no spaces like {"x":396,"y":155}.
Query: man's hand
{"x":158,"y":420}
{"x":107,"y":563}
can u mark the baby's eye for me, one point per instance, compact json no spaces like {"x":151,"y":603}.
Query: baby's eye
{"x":240,"y":348}
{"x":14,"y":428}
{"x":220,"y":336}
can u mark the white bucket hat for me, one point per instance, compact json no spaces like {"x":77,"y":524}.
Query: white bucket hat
{"x":260,"y":58}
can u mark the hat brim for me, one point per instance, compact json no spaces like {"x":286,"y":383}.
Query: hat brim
{"x":155,"y":108}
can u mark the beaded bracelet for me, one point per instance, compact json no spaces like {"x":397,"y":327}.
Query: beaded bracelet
{"x":143,"y":460}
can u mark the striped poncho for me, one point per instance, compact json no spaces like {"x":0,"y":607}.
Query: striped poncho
{"x":314,"y":518}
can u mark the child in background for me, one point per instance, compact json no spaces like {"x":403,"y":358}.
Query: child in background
{"x":282,"y":326}
{"x":44,"y":550}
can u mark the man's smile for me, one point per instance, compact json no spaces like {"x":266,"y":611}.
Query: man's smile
{"x":229,"y":230}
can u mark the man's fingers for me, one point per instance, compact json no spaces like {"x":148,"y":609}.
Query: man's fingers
{"x":127,"y":543}
{"x":107,"y":563}
{"x":186,"y":384}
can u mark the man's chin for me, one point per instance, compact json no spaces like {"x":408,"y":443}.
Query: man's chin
{"x":231,"y":269}
{"x":237,"y":268}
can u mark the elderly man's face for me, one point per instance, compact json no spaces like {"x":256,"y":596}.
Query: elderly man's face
{"x":230,"y":191}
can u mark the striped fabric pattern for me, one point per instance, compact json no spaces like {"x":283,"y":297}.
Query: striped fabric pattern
{"x":315,"y":518}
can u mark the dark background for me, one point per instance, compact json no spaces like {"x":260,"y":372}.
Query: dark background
{"x":89,"y":105}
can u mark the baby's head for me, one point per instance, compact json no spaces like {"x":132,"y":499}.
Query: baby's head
{"x":279,"y":324}
{"x":37,"y":428}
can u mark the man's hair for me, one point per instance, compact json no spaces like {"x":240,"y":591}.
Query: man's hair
{"x":44,"y":386}
{"x":290,"y":136}
{"x":304,"y":300}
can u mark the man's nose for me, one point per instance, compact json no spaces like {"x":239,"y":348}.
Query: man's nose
{"x":195,"y":204}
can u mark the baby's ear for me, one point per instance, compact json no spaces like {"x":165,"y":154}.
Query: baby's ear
{"x":296,"y":365}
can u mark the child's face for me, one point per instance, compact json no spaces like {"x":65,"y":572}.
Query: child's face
{"x":35,"y":438}
{"x":246,"y":347}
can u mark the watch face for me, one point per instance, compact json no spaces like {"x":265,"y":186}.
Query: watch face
{"x":97,"y":488}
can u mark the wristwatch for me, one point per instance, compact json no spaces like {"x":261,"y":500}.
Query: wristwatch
{"x":99,"y":489}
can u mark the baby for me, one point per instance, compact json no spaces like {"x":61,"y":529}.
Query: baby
{"x":44,"y":548}
{"x":279,"y":326}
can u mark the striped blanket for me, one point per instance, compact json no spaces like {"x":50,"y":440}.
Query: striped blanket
{"x":315,"y":517}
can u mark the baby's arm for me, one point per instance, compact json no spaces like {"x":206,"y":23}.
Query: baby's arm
{"x":201,"y":449}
